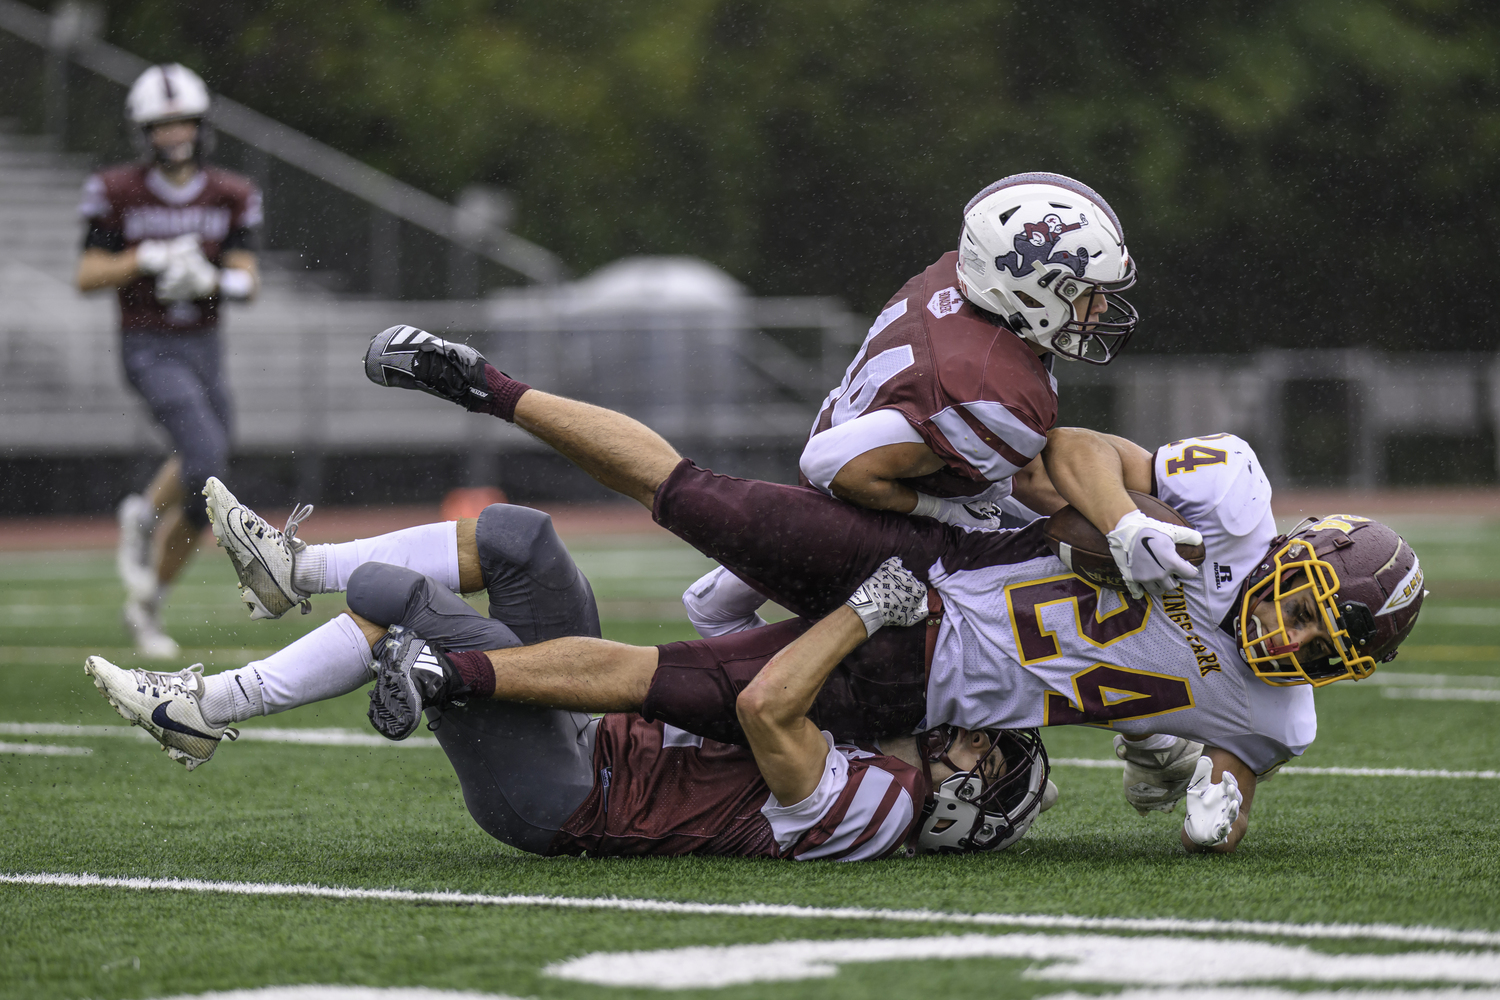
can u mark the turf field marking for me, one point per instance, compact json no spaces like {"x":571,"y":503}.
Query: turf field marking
{"x":1078,"y":958}
{"x":344,"y":993}
{"x":1342,"y":932}
{"x":1343,"y":772}
{"x":1441,"y":694}
{"x":309,"y":737}
{"x":45,"y":749}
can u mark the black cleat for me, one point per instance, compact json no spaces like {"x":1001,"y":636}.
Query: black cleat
{"x":410,"y":675}
{"x":408,"y":358}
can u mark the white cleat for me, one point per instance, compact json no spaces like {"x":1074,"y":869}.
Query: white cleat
{"x":133,"y":555}
{"x":144,"y":625}
{"x":263,"y":557}
{"x":165,"y":705}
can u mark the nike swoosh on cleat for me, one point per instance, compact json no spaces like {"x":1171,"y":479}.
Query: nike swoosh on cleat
{"x":161,"y":718}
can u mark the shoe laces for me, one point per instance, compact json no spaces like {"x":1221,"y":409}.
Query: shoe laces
{"x":299,"y":514}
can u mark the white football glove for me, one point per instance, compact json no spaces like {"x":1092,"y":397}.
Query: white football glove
{"x":982,"y":515}
{"x":1145,"y":549}
{"x":891,"y":596}
{"x":1156,"y":779}
{"x":1211,"y":808}
{"x":188,"y":275}
{"x":155,"y":256}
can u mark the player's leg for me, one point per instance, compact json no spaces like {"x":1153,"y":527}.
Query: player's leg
{"x":189,"y":713}
{"x":618,"y":451}
{"x":201,"y":432}
{"x":278,"y":571}
{"x":802,"y":548}
{"x":524,"y":769}
{"x":534,"y":585}
{"x":159,"y":368}
{"x":878,"y":690}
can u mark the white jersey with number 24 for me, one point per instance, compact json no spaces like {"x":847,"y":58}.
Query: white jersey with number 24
{"x":1030,"y":644}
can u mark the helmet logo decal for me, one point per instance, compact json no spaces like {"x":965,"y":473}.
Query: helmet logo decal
{"x":1035,"y":242}
{"x":945,"y":302}
{"x":1338,"y":522}
{"x":1408,"y":590}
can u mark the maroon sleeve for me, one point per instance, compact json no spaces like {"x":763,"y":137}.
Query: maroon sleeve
{"x":976,"y":393}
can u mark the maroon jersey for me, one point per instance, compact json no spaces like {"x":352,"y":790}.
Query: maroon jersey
{"x":660,"y":790}
{"x":130,"y":203}
{"x":967,"y":387}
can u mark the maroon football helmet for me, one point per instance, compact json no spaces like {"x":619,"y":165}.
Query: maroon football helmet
{"x":1365,"y":582}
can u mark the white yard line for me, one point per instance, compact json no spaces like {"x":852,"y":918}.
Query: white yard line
{"x":1346,"y":772}
{"x":44,"y":749}
{"x":329,"y":737}
{"x":1165,"y":925}
{"x":1442,"y":694}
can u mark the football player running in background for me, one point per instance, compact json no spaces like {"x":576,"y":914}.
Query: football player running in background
{"x":948,"y":402}
{"x":173,"y":237}
{"x":1224,"y":659}
{"x":552,"y":781}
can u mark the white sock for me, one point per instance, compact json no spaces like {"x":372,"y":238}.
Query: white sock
{"x":331,"y":660}
{"x":430,"y":549}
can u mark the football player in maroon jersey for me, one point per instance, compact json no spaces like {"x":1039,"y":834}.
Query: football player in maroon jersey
{"x":558,"y":782}
{"x":948,"y":402}
{"x":173,"y":237}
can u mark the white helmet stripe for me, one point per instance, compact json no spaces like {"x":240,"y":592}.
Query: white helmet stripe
{"x":1408,"y":590}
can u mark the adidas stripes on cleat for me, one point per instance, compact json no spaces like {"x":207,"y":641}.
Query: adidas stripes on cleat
{"x":408,"y":358}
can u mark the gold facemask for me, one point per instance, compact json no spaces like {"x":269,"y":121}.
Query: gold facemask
{"x":1270,"y":654}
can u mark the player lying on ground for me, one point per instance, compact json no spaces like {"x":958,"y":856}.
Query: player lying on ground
{"x":1224,"y":658}
{"x":551,"y":781}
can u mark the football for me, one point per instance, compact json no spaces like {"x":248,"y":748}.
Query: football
{"x":1084,"y":549}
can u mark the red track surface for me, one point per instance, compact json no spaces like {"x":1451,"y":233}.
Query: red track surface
{"x":336,"y":524}
{"x":328,"y":524}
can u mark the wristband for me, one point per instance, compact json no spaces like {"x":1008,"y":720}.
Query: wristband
{"x":927,"y":506}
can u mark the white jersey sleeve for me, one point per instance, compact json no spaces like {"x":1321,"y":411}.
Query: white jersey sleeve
{"x":719,"y":603}
{"x":860,"y":810}
{"x":830,"y":451}
{"x":1216,"y":483}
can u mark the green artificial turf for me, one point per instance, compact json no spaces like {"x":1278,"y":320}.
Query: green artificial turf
{"x":1321,"y":848}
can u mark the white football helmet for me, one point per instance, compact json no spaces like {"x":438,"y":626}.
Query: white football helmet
{"x":166,"y":93}
{"x":1034,"y":244}
{"x":968,"y":812}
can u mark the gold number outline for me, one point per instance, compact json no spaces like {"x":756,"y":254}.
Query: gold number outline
{"x":1046,"y":633}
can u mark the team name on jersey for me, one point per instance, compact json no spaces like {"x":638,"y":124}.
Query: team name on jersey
{"x":155,"y":222}
{"x":1174,"y":603}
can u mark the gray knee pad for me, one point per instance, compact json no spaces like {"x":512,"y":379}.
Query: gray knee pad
{"x":395,"y":595}
{"x":380,"y":592}
{"x":533,"y":583}
{"x":523,"y":537}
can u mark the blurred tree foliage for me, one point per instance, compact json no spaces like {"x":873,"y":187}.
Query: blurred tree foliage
{"x":1294,"y":172}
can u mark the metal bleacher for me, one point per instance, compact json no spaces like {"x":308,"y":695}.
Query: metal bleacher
{"x":348,"y":252}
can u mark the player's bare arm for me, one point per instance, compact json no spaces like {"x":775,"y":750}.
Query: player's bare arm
{"x":1092,"y":471}
{"x":1206,"y":805}
{"x":873,"y":479}
{"x":98,"y":269}
{"x":789,"y":749}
